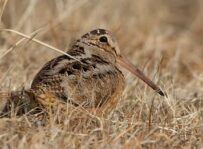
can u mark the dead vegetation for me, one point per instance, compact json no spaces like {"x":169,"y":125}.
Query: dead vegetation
{"x":164,"y":38}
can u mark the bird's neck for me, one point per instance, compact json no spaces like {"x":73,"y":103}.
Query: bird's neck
{"x":81,"y":50}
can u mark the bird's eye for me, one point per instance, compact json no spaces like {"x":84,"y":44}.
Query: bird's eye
{"x":103,"y":39}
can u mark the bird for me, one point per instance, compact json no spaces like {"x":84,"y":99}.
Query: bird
{"x":88,"y":76}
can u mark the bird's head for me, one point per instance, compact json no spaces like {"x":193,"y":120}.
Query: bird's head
{"x":103,"y":41}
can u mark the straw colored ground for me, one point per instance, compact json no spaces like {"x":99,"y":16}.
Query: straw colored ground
{"x":162,"y":37}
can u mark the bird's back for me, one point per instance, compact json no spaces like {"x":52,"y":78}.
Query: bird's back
{"x":90,"y":82}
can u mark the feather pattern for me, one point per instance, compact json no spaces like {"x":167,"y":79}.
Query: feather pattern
{"x":89,"y":83}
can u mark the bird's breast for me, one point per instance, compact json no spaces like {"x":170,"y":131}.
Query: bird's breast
{"x":93,"y":85}
{"x":90,"y":82}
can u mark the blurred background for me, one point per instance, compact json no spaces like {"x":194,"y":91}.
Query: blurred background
{"x":163,"y":37}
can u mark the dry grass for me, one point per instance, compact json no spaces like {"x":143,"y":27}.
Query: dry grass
{"x":163,"y":37}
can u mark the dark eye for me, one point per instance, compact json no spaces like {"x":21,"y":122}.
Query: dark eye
{"x":103,"y":39}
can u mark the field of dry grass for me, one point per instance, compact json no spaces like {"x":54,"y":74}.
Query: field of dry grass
{"x":163,"y":37}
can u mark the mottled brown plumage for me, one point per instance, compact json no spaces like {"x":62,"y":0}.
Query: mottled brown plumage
{"x":91,"y":80}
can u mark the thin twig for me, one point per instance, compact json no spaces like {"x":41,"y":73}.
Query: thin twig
{"x":150,"y":115}
{"x":4,"y":2}
{"x":39,"y":42}
{"x":33,"y":34}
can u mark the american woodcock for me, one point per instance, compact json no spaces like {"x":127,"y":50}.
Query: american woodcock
{"x":91,"y":79}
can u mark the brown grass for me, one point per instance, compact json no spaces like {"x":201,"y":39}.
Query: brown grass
{"x":163,"y":37}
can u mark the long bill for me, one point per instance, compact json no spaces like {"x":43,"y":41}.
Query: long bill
{"x":130,"y":67}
